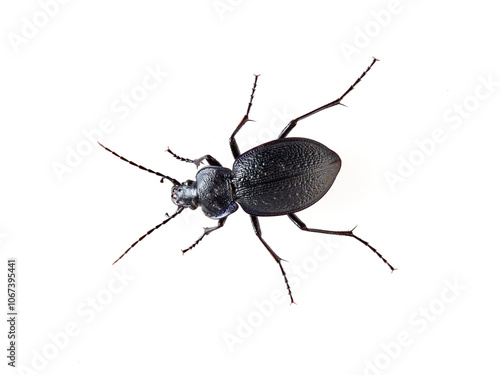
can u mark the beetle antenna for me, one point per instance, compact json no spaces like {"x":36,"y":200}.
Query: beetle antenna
{"x":172,"y":180}
{"x":179,"y":210}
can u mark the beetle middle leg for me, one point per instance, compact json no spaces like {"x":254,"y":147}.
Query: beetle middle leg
{"x":294,"y":122}
{"x":232,"y":142}
{"x":258,"y":232}
{"x":348,"y":233}
{"x":207,"y":231}
{"x":210,"y":159}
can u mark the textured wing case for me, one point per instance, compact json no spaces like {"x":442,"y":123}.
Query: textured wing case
{"x":283,"y":176}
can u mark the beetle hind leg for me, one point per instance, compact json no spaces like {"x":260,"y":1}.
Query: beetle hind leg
{"x":294,"y":122}
{"x":348,"y":233}
{"x":258,"y":232}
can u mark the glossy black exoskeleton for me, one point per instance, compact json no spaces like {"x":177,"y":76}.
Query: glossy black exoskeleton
{"x":280,"y":177}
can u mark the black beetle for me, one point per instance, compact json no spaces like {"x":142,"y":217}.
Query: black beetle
{"x":280,"y":177}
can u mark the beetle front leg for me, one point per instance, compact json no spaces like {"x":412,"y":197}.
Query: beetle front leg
{"x":232,"y":142}
{"x":348,"y":233}
{"x":207,"y":231}
{"x":258,"y":232}
{"x":294,"y":122}
{"x":210,"y":159}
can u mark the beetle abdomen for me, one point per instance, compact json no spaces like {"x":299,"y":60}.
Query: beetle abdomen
{"x":283,"y":176}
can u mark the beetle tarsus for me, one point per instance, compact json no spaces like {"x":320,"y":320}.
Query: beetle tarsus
{"x":374,"y":250}
{"x":178,"y":157}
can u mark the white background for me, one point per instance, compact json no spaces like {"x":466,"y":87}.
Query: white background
{"x":178,"y":314}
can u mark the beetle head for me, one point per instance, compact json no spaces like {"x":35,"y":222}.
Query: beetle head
{"x":185,"y":195}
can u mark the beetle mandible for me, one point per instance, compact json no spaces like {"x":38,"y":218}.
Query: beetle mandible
{"x":280,"y":177}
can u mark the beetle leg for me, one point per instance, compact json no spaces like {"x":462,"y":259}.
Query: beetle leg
{"x":232,"y":142}
{"x":207,"y":232}
{"x":258,"y":232}
{"x":348,"y":233}
{"x":294,"y":122}
{"x":210,"y":159}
